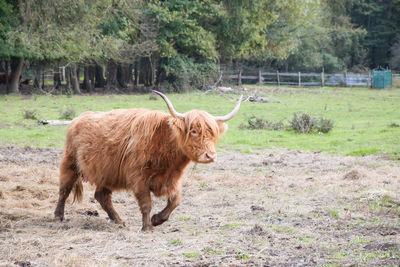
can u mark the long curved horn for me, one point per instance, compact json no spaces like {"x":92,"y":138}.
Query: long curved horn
{"x":170,"y":106}
{"x":230,"y":115}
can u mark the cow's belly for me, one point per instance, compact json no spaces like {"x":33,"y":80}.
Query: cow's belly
{"x":100,"y":167}
{"x":165,"y":184}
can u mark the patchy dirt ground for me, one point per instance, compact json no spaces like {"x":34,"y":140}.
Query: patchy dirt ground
{"x":270,"y":208}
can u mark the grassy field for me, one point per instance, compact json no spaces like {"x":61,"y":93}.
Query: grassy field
{"x":266,"y":201}
{"x":365,"y":121}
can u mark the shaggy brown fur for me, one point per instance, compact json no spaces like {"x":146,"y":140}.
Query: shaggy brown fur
{"x":138,"y":150}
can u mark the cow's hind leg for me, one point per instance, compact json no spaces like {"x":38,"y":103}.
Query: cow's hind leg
{"x":103,"y":196}
{"x":68,"y":178}
{"x":163,"y":215}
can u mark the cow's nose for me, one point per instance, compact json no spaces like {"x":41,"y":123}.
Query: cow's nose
{"x":211,"y":156}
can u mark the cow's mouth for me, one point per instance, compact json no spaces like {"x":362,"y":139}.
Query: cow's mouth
{"x":204,"y":161}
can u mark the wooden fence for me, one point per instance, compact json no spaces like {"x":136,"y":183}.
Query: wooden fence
{"x":301,"y":79}
{"x":396,"y":80}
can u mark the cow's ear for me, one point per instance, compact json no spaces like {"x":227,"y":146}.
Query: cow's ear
{"x":177,"y":123}
{"x":222,"y":127}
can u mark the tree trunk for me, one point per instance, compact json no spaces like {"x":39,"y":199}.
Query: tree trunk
{"x":68,"y":78}
{"x":92,"y":74}
{"x":3,"y":67}
{"x":130,"y":73}
{"x":160,"y":76}
{"x":43,"y":78}
{"x":16,"y":71}
{"x":100,"y":81}
{"x":37,"y":79}
{"x":7,"y":80}
{"x":57,"y":78}
{"x":153,"y":67}
{"x":74,"y":79}
{"x":112,"y":81}
{"x":89,"y":74}
{"x":123,"y":75}
{"x":78,"y":74}
{"x":86,"y":80}
{"x":136,"y":74}
{"x":146,"y":71}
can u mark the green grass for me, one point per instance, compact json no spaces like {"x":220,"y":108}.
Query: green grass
{"x":360,"y":240}
{"x":362,"y":118}
{"x":184,"y":218}
{"x":282,"y":229}
{"x":176,"y":242}
{"x":203,"y":185}
{"x":334,"y":214}
{"x":341,"y":255}
{"x":231,"y":226}
{"x":191,"y":254}
{"x":242,"y":255}
{"x":385,"y":202}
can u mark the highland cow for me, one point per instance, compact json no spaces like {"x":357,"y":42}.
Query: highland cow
{"x":138,"y":150}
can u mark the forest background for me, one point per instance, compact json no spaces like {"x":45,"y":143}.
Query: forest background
{"x":183,"y":44}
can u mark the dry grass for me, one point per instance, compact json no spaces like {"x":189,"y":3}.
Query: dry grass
{"x":276,"y":208}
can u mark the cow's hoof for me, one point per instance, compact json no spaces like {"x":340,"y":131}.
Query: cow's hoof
{"x":156,"y":220}
{"x":147,"y":228}
{"x":119,"y":222}
{"x":58,"y":217}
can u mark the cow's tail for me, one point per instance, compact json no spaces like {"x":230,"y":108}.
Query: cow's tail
{"x":77,"y":190}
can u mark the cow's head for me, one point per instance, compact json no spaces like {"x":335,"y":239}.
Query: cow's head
{"x":197,"y":131}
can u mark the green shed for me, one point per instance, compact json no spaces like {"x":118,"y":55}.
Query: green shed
{"x":381,"y":78}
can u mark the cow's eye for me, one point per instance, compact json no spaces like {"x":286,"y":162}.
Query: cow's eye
{"x":193,"y":132}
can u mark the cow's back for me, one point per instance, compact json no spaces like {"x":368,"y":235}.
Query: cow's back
{"x":101,"y":142}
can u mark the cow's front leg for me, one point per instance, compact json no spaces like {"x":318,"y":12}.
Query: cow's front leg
{"x":173,"y":202}
{"x":142,"y":194}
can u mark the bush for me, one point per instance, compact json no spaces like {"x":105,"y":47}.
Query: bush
{"x":305,"y":124}
{"x":67,"y":114}
{"x":324,"y":125}
{"x":181,"y":73}
{"x":153,"y":97}
{"x":394,"y":125}
{"x":29,"y":114}
{"x":255,"y":123}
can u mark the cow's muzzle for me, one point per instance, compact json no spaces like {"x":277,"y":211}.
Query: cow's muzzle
{"x":208,"y":157}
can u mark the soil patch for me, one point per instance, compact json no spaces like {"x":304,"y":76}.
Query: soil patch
{"x":274,"y":208}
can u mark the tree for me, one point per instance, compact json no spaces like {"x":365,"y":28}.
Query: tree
{"x":185,"y":47}
{"x":382,"y":21}
{"x":263,"y":31}
{"x":45,"y":31}
{"x":13,"y":15}
{"x":129,"y":36}
{"x":180,"y":43}
{"x":327,"y":40}
{"x":68,"y":31}
{"x":395,"y":56}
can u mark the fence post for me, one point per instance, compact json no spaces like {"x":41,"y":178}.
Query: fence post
{"x":299,"y":79}
{"x":345,"y":79}
{"x":277,"y":78}
{"x":239,"y":83}
{"x":322,"y":79}
{"x":369,"y":82}
{"x":259,"y":77}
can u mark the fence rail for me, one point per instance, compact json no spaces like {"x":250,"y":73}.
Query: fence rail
{"x":302,"y":79}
